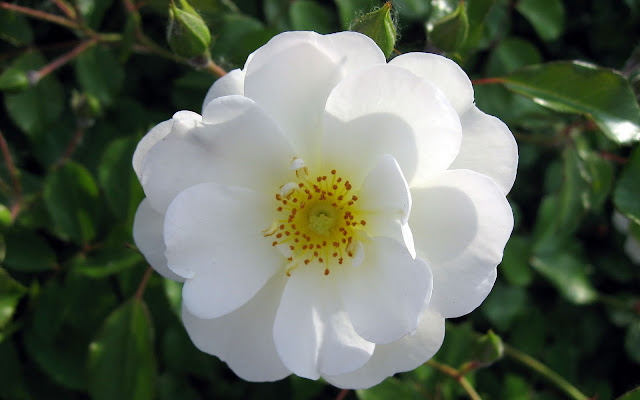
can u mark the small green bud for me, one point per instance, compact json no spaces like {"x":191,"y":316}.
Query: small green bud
{"x":450,"y":32}
{"x":487,"y":349}
{"x":378,"y":25}
{"x":14,"y":80}
{"x":188,"y":34}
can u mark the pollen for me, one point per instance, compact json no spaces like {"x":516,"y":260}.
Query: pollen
{"x":317,"y":218}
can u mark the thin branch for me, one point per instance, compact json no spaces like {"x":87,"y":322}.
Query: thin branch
{"x":71,"y":147}
{"x":143,"y":283}
{"x":63,"y":59}
{"x":45,"y":16}
{"x":15,"y":208}
{"x":613,"y":157}
{"x":215,"y":69}
{"x":343,"y":393}
{"x":544,"y":371}
{"x":487,"y":81}
{"x":66,"y":8}
{"x":455,"y":374}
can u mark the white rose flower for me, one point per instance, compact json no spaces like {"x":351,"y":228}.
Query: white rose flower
{"x":328,"y":210}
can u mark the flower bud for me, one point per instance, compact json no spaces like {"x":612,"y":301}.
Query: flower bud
{"x":188,"y":34}
{"x":378,"y":25}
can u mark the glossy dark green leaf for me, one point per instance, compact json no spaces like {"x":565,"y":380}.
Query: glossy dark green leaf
{"x":15,"y":28}
{"x":13,"y":385}
{"x":307,"y":15}
{"x":503,"y":305}
{"x":121,"y":360}
{"x":632,"y":341}
{"x":515,"y":262}
{"x":449,"y":33}
{"x":578,"y":88}
{"x":99,"y":73}
{"x":511,"y":54}
{"x":627,"y":191}
{"x":633,"y":394}
{"x":28,"y":252}
{"x":107,"y":263}
{"x":117,"y":179}
{"x":477,"y":13}
{"x":93,"y":11}
{"x":546,"y":16}
{"x":182,"y":357}
{"x":568,"y":274}
{"x":71,"y":196}
{"x":13,"y":79}
{"x":37,"y":107}
{"x":11,"y":292}
{"x":390,"y":388}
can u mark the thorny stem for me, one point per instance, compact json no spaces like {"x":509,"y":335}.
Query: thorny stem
{"x":545,"y":372}
{"x":455,"y":374}
{"x":45,"y":16}
{"x":487,"y":81}
{"x":143,"y":283}
{"x":15,"y":208}
{"x":63,"y":59}
{"x":343,"y":393}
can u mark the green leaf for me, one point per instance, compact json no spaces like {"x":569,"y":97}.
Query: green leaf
{"x":107,"y":263}
{"x":99,"y":73}
{"x":627,"y":191}
{"x":511,"y":54}
{"x":390,"y":388}
{"x":568,"y":274}
{"x":13,"y":80}
{"x":15,"y":28}
{"x":546,"y":16}
{"x":121,"y":361}
{"x":37,"y":107}
{"x":633,"y":394}
{"x":450,"y":32}
{"x":578,"y":88}
{"x":121,"y":188}
{"x":515,"y":263}
{"x":182,"y":357}
{"x":503,"y":305}
{"x":477,"y":12}
{"x":93,"y":11}
{"x":307,"y":15}
{"x":12,"y":381}
{"x":28,"y":252}
{"x":410,"y":10}
{"x":11,"y":292}
{"x":632,"y":341}
{"x":71,"y":197}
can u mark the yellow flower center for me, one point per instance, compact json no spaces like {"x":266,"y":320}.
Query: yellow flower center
{"x":317,"y":220}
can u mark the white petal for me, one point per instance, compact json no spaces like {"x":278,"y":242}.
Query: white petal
{"x":388,"y":110}
{"x":444,"y":73}
{"x":236,"y":144}
{"x":460,"y":222}
{"x":292,"y":75}
{"x":405,"y":354}
{"x":214,"y":239}
{"x":312,"y":332}
{"x":488,"y":147}
{"x":156,"y":134}
{"x":148,"y":234}
{"x":386,"y":295}
{"x":230,"y":84}
{"x":243,"y":338}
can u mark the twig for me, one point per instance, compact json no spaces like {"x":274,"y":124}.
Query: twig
{"x":143,"y":283}
{"x":613,"y":157}
{"x":71,"y":147}
{"x":343,"y":393}
{"x":487,"y":81}
{"x":63,"y":59}
{"x":455,"y":374}
{"x":215,"y":69}
{"x":550,"y":375}
{"x":15,"y":208}
{"x":45,"y":16}
{"x":67,"y":9}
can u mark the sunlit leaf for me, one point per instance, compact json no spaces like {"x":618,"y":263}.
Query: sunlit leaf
{"x":627,"y":191}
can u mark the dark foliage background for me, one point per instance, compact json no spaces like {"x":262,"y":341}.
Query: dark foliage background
{"x":81,"y":314}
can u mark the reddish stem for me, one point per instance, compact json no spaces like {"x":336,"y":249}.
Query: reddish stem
{"x":66,"y":8}
{"x":487,"y":81}
{"x":63,"y":59}
{"x":45,"y":16}
{"x":613,"y":157}
{"x":343,"y":393}
{"x":143,"y":283}
{"x":71,"y":147}
{"x":15,"y":208}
